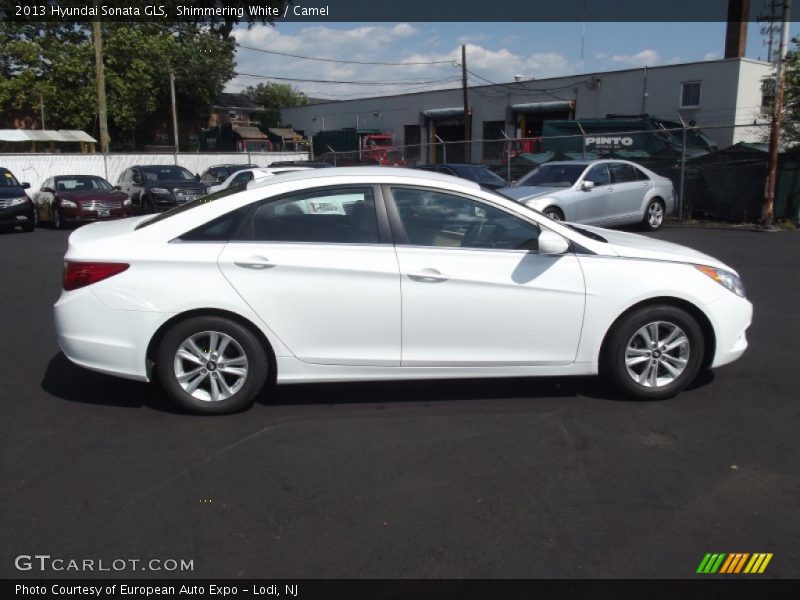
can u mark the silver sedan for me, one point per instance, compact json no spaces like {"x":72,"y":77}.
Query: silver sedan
{"x":598,"y":192}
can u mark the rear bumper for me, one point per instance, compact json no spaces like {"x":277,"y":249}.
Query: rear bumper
{"x":102,"y":339}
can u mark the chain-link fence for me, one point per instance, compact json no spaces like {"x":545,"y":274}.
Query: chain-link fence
{"x":718,"y":172}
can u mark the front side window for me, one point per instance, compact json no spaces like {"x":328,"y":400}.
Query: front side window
{"x":598,"y":175}
{"x":433,"y":218}
{"x":241,"y":178}
{"x":332,"y":216}
{"x":690,"y":94}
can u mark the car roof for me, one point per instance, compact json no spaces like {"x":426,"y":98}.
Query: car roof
{"x":363,"y":172}
{"x":451,"y":165}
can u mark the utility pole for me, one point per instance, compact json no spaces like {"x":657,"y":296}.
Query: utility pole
{"x":102,"y":114}
{"x":174,"y":110}
{"x":767,"y":209}
{"x":467,"y":128}
{"x":41,"y":104}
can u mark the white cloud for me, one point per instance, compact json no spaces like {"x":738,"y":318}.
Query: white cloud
{"x":712,"y":56}
{"x":381,"y":43}
{"x":478,"y":37}
{"x":645,"y":58}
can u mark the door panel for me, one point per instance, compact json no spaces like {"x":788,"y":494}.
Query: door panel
{"x":310,"y":266}
{"x":475,"y":290}
{"x":489,"y":307}
{"x":628,"y":191}
{"x":596,"y":204}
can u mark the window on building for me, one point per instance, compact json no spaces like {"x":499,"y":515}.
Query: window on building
{"x":690,"y":94}
{"x":493,"y":130}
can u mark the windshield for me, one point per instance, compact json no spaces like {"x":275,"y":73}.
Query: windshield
{"x":193,"y":204}
{"x":552,"y":175}
{"x":81,"y":183}
{"x":7,"y":179}
{"x":482,"y":175}
{"x":166,"y":173}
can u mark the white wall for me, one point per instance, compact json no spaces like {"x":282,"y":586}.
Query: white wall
{"x":35,"y":168}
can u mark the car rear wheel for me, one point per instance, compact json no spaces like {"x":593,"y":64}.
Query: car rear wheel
{"x":654,"y":215}
{"x":211,"y":365}
{"x":554,"y":213}
{"x":653,"y":352}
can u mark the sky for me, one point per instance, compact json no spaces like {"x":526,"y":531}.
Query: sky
{"x":495,"y":52}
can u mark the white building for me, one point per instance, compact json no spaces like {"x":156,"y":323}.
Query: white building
{"x":712,"y":95}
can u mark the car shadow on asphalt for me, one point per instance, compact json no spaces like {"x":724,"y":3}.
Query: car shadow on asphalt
{"x":70,"y":382}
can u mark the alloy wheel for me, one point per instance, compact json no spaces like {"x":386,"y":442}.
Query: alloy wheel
{"x":657,"y":354}
{"x":210,"y":366}
{"x":655,"y":215}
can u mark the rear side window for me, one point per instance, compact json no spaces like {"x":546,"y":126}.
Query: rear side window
{"x":622,"y":173}
{"x":332,"y":216}
{"x":640,"y":175}
{"x":220,"y":229}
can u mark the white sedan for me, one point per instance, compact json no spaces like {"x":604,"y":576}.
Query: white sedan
{"x":385,"y":274}
{"x":248,"y":175}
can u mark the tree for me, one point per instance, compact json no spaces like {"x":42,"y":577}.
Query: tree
{"x":790,"y":116}
{"x":273,"y":97}
{"x":53,"y":64}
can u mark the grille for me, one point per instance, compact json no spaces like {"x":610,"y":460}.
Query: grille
{"x":183,"y":196}
{"x":99,"y":205}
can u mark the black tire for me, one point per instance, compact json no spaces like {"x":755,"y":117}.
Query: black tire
{"x":147,"y":206}
{"x":58,"y":222}
{"x":554,"y":213}
{"x":624,"y":332}
{"x":649,"y":222}
{"x":29,"y":227}
{"x":248,"y":344}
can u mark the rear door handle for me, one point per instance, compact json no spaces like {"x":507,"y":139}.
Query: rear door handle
{"x":256,"y":263}
{"x":428,"y":276}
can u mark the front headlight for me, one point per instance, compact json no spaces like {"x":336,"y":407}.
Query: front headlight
{"x":67,"y":204}
{"x":160,"y":191}
{"x":126,"y":202}
{"x":725,"y":278}
{"x":17,"y":201}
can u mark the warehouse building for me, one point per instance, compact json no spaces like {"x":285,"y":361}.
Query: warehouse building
{"x":712,"y":95}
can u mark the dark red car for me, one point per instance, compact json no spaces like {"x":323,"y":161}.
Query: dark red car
{"x":79,"y":199}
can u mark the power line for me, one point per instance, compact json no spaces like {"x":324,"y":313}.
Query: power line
{"x":346,"y":62}
{"x":381,"y":83}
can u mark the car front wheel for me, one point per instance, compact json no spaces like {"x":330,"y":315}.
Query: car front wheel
{"x":211,"y":365}
{"x":654,"y":352}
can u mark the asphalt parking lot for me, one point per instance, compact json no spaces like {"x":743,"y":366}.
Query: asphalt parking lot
{"x":508,"y":478}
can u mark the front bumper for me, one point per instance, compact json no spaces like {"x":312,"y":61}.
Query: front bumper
{"x":21,"y":214}
{"x":730,"y":316}
{"x":84,"y":214}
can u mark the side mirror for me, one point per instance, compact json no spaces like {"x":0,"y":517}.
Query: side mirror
{"x":197,"y":176}
{"x":221,"y":179}
{"x":586,"y":185}
{"x":48,"y":190}
{"x":117,"y":187}
{"x":137,"y":180}
{"x":552,"y":243}
{"x":25,"y":185}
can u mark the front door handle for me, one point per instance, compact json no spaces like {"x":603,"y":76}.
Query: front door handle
{"x":428,"y":276}
{"x":256,"y":263}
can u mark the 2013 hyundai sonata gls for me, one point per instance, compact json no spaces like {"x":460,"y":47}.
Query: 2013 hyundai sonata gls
{"x":379,"y":274}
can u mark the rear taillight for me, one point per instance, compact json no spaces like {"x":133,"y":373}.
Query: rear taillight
{"x":81,"y":274}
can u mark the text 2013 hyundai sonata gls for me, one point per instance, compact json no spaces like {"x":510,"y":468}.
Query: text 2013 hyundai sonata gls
{"x":378,"y":274}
